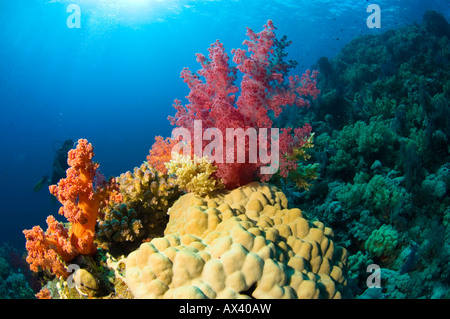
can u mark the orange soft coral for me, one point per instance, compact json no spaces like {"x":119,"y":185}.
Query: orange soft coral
{"x":49,"y":250}
{"x":80,"y":198}
{"x":44,"y":294}
{"x":161,"y":153}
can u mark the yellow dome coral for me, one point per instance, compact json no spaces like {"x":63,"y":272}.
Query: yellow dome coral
{"x":238,"y":244}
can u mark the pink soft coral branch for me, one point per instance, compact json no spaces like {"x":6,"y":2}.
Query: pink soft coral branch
{"x":265,"y":87}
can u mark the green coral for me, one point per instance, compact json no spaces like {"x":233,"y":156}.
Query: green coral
{"x":14,"y":280}
{"x":357,"y":267}
{"x":379,"y":194}
{"x":359,"y":143}
{"x":382,"y":242}
{"x":366,"y":138}
{"x":4,"y":268}
{"x":396,"y":285}
{"x":438,"y":184}
{"x":362,"y":227}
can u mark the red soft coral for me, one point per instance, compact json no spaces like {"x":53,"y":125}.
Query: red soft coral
{"x":265,"y":87}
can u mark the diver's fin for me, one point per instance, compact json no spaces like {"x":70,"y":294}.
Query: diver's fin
{"x":40,"y":184}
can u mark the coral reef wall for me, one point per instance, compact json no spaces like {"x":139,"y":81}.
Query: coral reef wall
{"x":382,"y":132}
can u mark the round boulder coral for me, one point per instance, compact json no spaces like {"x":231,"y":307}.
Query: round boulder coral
{"x":238,"y":244}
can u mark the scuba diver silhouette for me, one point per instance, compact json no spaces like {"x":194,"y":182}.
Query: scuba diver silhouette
{"x":59,"y":166}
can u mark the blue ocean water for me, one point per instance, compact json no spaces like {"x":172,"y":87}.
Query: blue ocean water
{"x":114,"y":79}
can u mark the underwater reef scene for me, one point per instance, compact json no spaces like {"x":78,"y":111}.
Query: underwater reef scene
{"x":358,"y":207}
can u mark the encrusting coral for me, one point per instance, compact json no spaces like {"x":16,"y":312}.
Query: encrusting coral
{"x":238,"y":244}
